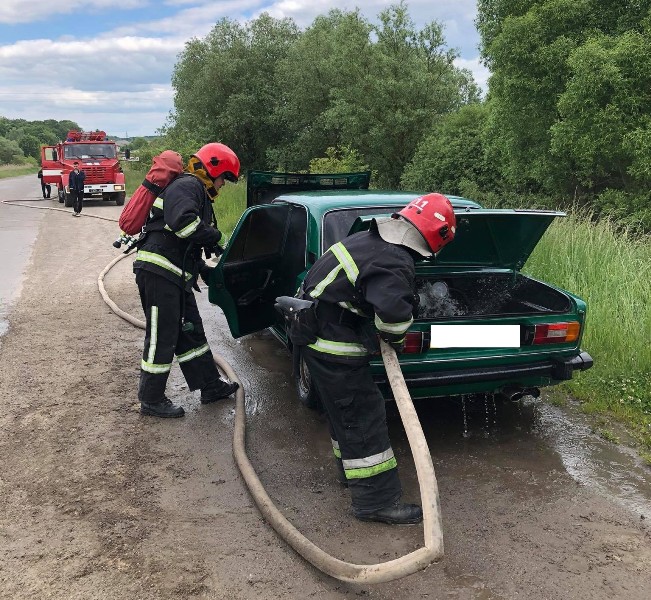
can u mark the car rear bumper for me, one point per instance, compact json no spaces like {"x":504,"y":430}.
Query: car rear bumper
{"x":554,"y":369}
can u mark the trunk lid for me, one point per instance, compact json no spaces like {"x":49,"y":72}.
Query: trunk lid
{"x":489,"y":238}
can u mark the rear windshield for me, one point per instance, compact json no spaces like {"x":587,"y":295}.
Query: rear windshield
{"x":337,"y":223}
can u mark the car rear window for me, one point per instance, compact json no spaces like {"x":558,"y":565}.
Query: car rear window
{"x":337,"y":223}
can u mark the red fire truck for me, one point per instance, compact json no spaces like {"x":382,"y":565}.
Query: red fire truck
{"x":96,"y":156}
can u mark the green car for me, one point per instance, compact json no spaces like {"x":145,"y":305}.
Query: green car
{"x":474,"y":282}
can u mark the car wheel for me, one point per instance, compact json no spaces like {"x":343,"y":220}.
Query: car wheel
{"x":67,"y":200}
{"x":305,"y":389}
{"x":119,"y":198}
{"x":61,"y":194}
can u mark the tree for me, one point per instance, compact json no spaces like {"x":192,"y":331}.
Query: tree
{"x":604,"y":108}
{"x":137,"y":143}
{"x":10,"y":152}
{"x":342,"y":159}
{"x":409,"y":82}
{"x":540,"y":53}
{"x":451,"y":156}
{"x":31,"y":146}
{"x":333,"y":53}
{"x":281,"y":97}
{"x":225,"y":86}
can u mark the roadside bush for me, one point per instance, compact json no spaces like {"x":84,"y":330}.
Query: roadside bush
{"x":10,"y":152}
{"x":451,"y":155}
{"x":630,"y":210}
{"x":342,"y":159}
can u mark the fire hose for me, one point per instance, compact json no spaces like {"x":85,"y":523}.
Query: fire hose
{"x":344,"y":571}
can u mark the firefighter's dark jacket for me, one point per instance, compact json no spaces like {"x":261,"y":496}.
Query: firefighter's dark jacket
{"x":359,"y":283}
{"x":179,"y":226}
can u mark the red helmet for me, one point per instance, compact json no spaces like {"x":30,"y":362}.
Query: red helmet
{"x":218,"y":159}
{"x":433,"y":216}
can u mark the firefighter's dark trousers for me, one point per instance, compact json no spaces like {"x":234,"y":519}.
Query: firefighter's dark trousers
{"x":358,"y":429}
{"x":77,"y":200}
{"x":164,"y":338}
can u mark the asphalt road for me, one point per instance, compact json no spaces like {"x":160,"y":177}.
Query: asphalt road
{"x":101,"y":502}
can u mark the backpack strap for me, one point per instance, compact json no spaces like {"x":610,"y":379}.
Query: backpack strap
{"x":152,"y":187}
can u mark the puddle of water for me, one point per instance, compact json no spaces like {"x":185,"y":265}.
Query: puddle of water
{"x":534,"y":436}
{"x":614,"y":471}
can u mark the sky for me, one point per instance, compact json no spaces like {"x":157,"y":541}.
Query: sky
{"x":107,"y":64}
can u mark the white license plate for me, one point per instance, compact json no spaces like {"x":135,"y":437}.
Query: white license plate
{"x":94,"y":190}
{"x":475,"y":336}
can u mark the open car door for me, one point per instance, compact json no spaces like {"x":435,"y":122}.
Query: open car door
{"x":263,"y":260}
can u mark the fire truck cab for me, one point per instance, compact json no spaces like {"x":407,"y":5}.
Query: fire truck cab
{"x":97,"y":157}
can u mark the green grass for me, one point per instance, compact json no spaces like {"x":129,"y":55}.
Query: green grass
{"x":611,"y":271}
{"x":133,"y":176}
{"x":16,"y":170}
{"x":229,"y":206}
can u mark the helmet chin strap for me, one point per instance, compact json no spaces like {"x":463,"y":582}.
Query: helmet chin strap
{"x":196,"y":168}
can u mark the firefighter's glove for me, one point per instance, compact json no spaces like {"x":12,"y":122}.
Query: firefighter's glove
{"x":205,"y":272}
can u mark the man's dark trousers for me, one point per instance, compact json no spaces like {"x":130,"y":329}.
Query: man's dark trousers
{"x":77,"y":200}
{"x":357,"y":418}
{"x":164,"y":337}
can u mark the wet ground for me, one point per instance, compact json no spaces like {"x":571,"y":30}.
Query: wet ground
{"x":100,"y":502}
{"x":18,"y":229}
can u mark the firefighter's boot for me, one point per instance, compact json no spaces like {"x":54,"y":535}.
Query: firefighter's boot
{"x":217,"y":390}
{"x":165,"y":409}
{"x":396,"y":514}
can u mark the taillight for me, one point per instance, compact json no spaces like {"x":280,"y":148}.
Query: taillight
{"x":415,"y":342}
{"x":557,"y":333}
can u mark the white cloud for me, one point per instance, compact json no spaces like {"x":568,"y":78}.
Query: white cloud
{"x":102,"y":64}
{"x":26,"y":11}
{"x":139,"y":112}
{"x":196,"y":21}
{"x":123,"y":75}
{"x":123,"y":80}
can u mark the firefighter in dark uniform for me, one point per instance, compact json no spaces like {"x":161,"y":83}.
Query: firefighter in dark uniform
{"x":181,"y":224}
{"x":367,"y":280}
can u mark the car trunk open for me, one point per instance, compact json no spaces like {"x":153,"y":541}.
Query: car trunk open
{"x":484,"y":294}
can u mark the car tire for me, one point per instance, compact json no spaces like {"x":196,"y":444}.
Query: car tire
{"x":119,"y":198}
{"x":305,"y":389}
{"x":68,"y":200}
{"x":61,"y":195}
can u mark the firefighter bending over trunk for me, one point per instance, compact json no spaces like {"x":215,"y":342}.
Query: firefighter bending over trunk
{"x":369,"y":275}
{"x":181,"y":223}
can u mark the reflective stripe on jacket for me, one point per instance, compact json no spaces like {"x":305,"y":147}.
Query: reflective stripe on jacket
{"x":359,"y":282}
{"x":180,"y":216}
